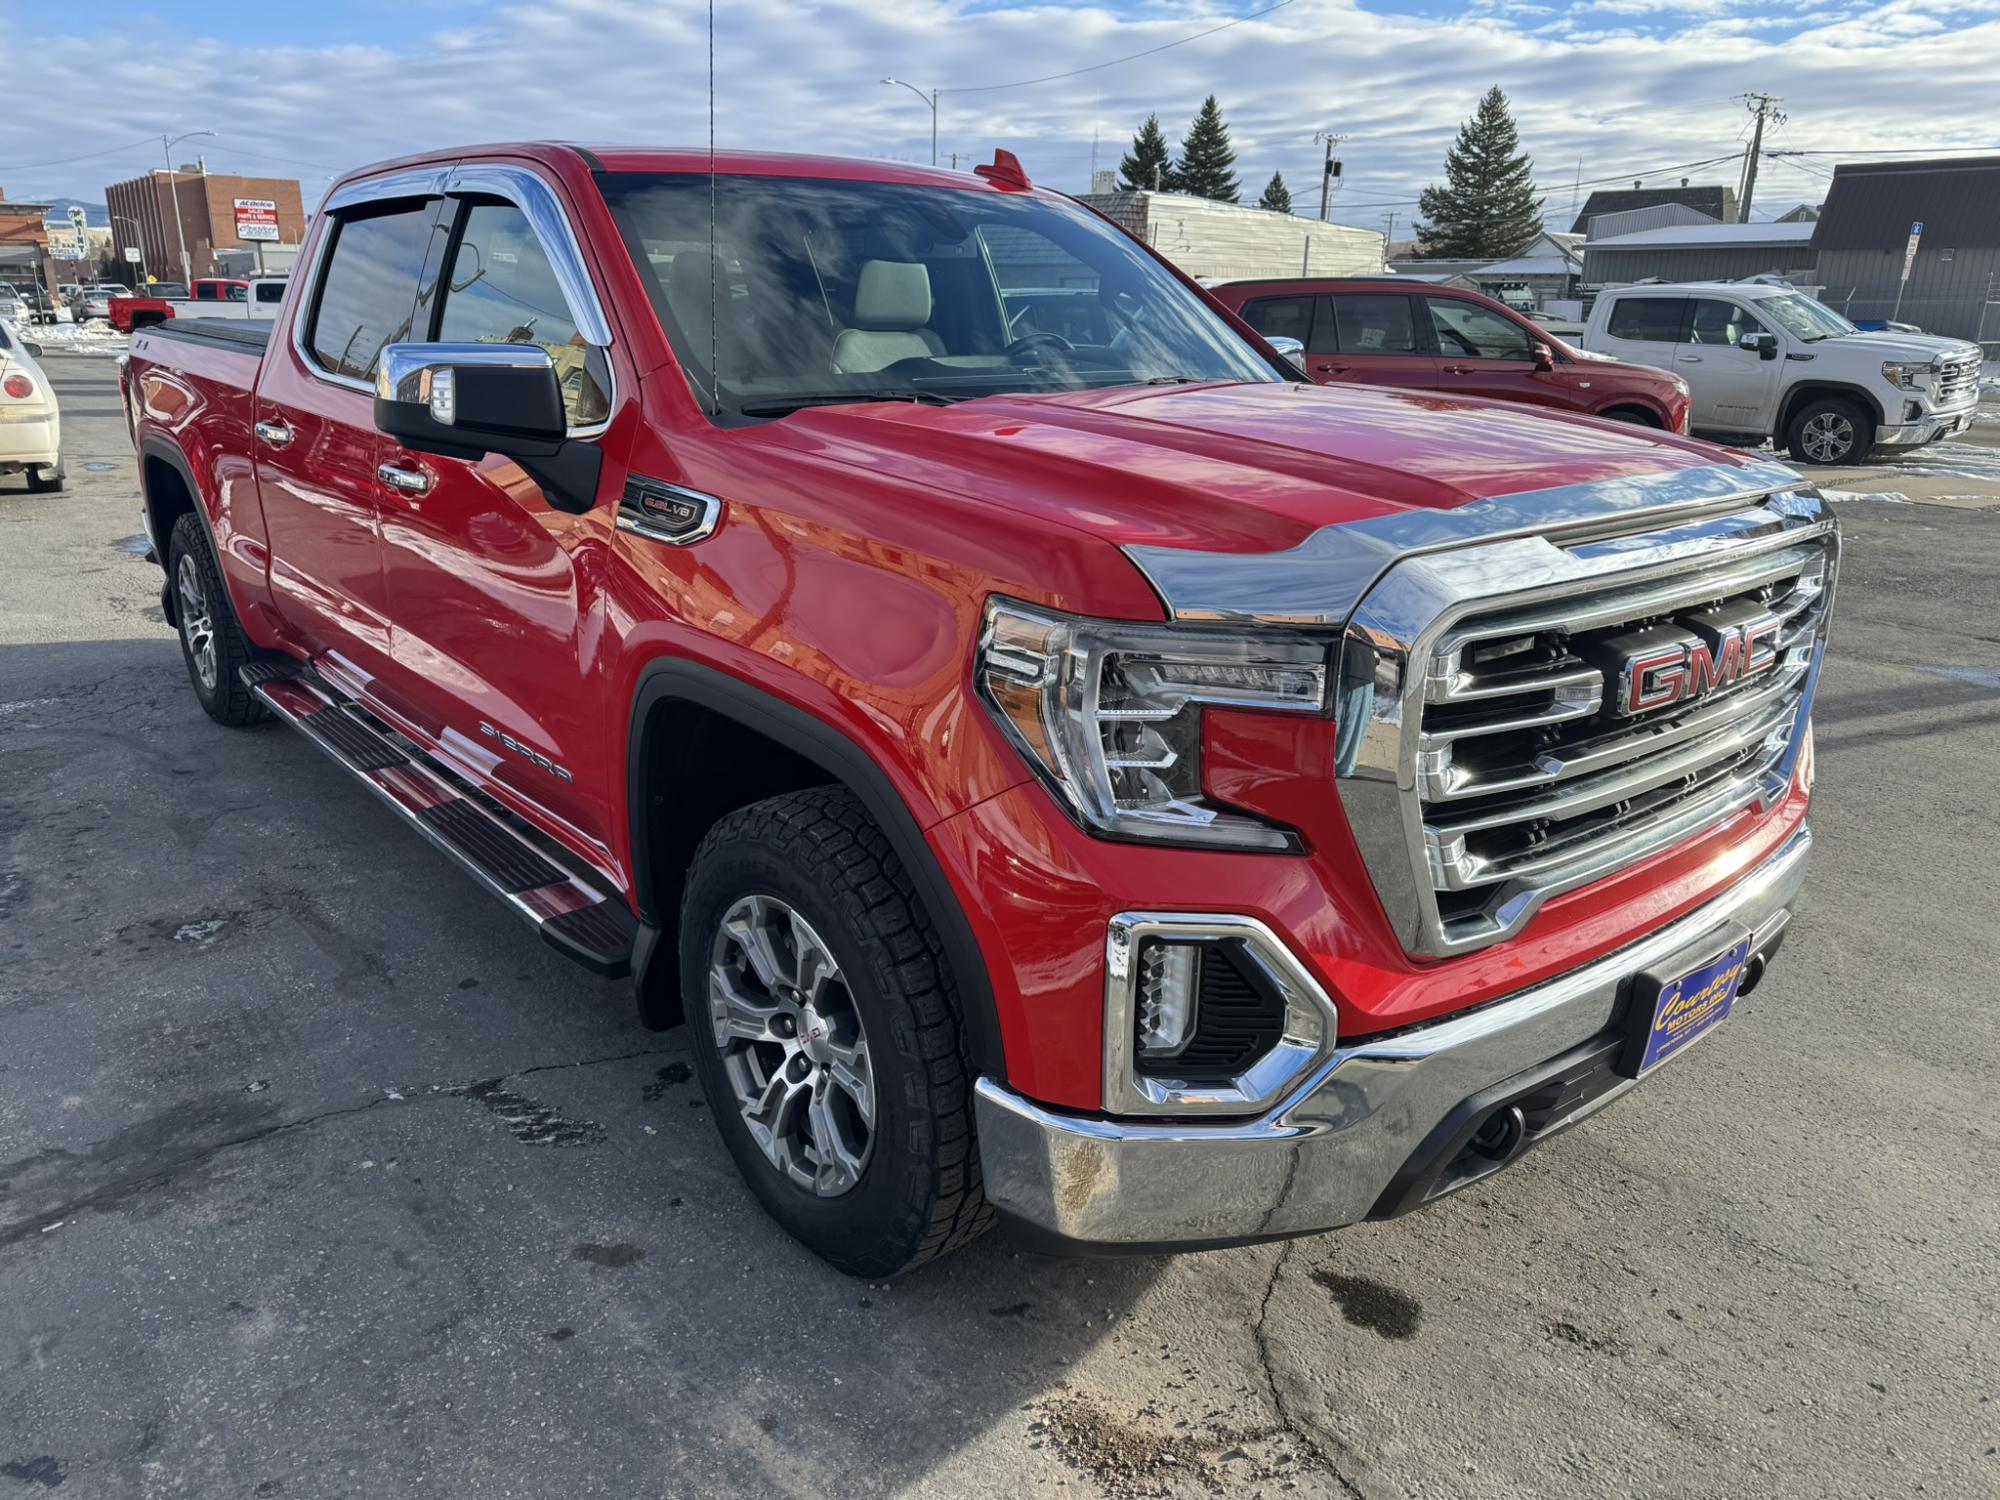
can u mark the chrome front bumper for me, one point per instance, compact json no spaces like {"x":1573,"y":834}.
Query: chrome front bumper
{"x":1930,"y":426}
{"x":1342,"y":1145}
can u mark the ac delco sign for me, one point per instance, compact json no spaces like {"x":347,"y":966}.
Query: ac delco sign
{"x":256,"y":219}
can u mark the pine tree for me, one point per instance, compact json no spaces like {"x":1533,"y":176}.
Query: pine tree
{"x":1147,"y":165}
{"x":1277,"y":197}
{"x":1486,"y":208}
{"x":1206,"y":157}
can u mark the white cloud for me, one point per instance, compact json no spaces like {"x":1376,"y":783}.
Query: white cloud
{"x":1629,"y":86}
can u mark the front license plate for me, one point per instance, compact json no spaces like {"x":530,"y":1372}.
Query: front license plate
{"x":1685,"y":1009}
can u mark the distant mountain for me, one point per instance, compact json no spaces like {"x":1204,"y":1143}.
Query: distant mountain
{"x":98,"y":214}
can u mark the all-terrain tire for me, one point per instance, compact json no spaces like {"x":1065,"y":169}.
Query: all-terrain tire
{"x":820,"y":854}
{"x":214,"y":673}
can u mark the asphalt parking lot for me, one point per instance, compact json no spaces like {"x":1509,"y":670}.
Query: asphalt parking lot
{"x":320,"y":1176}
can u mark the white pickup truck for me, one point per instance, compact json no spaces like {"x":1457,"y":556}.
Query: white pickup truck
{"x":1766,"y":361}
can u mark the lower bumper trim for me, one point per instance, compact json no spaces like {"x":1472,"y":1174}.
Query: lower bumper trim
{"x":1382,"y":1126}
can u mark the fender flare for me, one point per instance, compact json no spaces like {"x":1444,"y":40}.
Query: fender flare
{"x":671,"y":679}
{"x":158,"y":445}
{"x":1811,"y":389}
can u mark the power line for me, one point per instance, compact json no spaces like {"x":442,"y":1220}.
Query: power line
{"x":991,"y":88}
{"x":63,"y":161}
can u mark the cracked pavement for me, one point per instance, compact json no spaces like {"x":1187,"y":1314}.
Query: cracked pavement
{"x":320,"y":1176}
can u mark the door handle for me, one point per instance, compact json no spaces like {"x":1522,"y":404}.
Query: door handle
{"x":1687,"y":359}
{"x":406,"y":481}
{"x":1459,"y":370}
{"x":274,"y":434}
{"x":1329,"y":369}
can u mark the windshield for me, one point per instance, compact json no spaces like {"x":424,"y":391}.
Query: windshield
{"x":1803,"y":318}
{"x":820,"y":292}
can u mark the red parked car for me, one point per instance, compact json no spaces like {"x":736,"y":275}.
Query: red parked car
{"x":1389,"y":330}
{"x":1058,"y":761}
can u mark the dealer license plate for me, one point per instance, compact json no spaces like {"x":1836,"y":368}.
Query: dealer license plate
{"x":1688,"y":1008}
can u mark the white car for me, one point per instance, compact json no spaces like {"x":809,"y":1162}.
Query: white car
{"x":1765,"y":361}
{"x":14,"y":307}
{"x":30,"y":424}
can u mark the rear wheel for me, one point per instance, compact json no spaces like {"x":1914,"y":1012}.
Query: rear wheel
{"x":212,"y":642}
{"x":1830,"y":430}
{"x":47,"y":479}
{"x":824,"y":1025}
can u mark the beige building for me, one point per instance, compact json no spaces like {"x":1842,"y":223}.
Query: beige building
{"x":1232,"y":242}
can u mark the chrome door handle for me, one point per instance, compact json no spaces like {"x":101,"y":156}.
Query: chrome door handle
{"x":274,"y":434}
{"x":407,"y":481}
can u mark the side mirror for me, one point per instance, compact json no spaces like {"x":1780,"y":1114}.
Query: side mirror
{"x":1763,"y":345}
{"x":469,"y":400}
{"x":1291,"y":349}
{"x":1545,"y":357}
{"x":35,"y":351}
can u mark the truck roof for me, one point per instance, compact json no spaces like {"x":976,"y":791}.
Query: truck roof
{"x":629,"y":158}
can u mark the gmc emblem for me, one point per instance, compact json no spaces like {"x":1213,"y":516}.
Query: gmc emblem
{"x":1680,"y":671}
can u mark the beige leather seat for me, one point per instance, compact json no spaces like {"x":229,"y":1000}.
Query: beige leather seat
{"x":892,"y":311}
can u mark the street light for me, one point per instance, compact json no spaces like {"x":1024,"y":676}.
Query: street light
{"x":138,"y":238}
{"x":930,"y":99}
{"x":174,"y":187}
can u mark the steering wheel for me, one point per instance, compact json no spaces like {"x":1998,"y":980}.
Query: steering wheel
{"x":1029,"y":341}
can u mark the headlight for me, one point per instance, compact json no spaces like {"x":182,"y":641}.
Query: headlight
{"x":1109,"y":715}
{"x":1908,"y":375}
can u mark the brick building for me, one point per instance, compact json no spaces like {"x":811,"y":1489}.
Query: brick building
{"x":24,"y":245}
{"x":143,"y":213}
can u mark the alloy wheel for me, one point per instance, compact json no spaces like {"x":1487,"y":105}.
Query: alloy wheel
{"x":1827,"y":437}
{"x":792,"y":1045}
{"x":197,"y":629}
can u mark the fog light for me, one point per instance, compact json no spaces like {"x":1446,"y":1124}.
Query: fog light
{"x":1169,"y":974}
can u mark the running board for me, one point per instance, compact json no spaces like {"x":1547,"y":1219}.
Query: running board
{"x":568,"y":904}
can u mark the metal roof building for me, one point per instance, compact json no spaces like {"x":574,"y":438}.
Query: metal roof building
{"x":1702,"y":252}
{"x":1712,"y":201}
{"x":1864,"y":232}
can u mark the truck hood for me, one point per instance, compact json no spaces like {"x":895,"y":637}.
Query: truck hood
{"x":1887,"y":345}
{"x":1249,"y":468}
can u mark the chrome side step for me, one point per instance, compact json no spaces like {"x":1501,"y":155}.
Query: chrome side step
{"x":570,"y":905}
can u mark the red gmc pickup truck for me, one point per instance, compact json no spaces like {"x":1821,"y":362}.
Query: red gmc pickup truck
{"x":1083,"y":773}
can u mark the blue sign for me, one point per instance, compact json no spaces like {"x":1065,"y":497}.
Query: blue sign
{"x":1693,"y":1005}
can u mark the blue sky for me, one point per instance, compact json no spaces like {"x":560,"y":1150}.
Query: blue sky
{"x":1612,"y":89}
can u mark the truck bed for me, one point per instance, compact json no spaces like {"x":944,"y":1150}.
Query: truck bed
{"x":250,"y":336}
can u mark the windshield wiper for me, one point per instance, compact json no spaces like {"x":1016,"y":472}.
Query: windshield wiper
{"x":785,"y":405}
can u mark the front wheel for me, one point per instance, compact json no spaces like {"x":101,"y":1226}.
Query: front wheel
{"x":1831,"y":430}
{"x":824,"y":1025}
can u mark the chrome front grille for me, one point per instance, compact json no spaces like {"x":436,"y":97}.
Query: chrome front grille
{"x":1957,"y":381}
{"x":1528,"y":728}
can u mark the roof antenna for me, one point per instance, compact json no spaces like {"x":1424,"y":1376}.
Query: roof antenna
{"x":714,"y":375}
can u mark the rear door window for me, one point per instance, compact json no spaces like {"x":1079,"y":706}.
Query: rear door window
{"x":1281,"y":317}
{"x":1647,"y":320}
{"x":369,"y":288}
{"x":1372,"y":325}
{"x":1465,"y":330}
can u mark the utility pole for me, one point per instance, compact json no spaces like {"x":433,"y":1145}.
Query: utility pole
{"x":1329,"y":171}
{"x":1765,"y":108}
